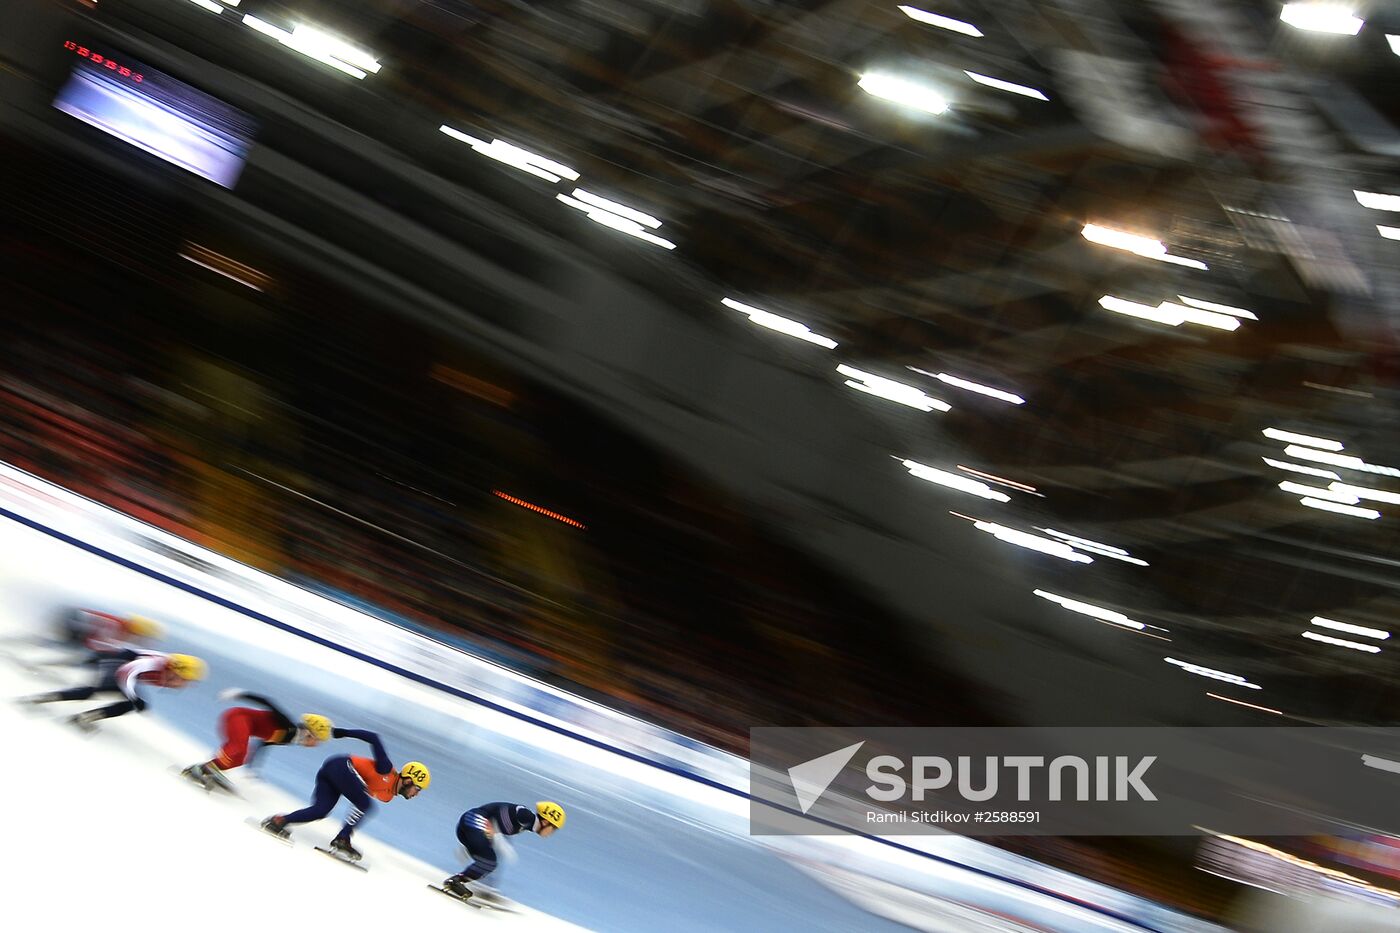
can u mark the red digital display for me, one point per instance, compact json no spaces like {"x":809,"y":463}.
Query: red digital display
{"x":99,"y":59}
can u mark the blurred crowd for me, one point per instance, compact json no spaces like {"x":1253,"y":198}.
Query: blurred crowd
{"x":670,"y":602}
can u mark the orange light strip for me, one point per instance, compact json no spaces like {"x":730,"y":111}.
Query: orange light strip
{"x":1263,"y":709}
{"x":535,"y":508}
{"x":992,"y":477}
{"x":227,"y":267}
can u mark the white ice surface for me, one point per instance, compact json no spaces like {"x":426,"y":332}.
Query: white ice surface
{"x":101,"y":834}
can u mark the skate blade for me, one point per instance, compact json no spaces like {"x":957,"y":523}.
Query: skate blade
{"x":188,"y":778}
{"x":488,"y":898}
{"x":223,"y":788}
{"x":480,"y":899}
{"x":257,"y":824}
{"x":469,"y":900}
{"x":341,"y":859}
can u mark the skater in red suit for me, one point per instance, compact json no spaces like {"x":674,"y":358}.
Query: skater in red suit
{"x":103,"y":634}
{"x":241,"y":724}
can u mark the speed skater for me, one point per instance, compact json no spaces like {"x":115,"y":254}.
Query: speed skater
{"x":361,"y":781}
{"x":102,"y":633}
{"x":477,"y":828}
{"x":241,"y":724}
{"x":123,"y":674}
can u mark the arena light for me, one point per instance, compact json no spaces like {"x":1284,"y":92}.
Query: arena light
{"x":1292,"y":437}
{"x":953,"y":481}
{"x":1374,"y":199}
{"x":1381,"y":764}
{"x":912,"y":396}
{"x":1341,"y":642}
{"x":903,"y":91}
{"x":209,"y":5}
{"x":1201,"y":316}
{"x":1121,"y":239}
{"x":1342,"y":460}
{"x":1136,"y":309}
{"x":1169,"y":313}
{"x":317,"y":43}
{"x":627,"y":223}
{"x":1181,"y":261}
{"x":1008,"y":86}
{"x":1137,"y":244}
{"x":1334,"y":18}
{"x":320,"y":46}
{"x":1033,"y":542}
{"x":1299,"y":468}
{"x":1331,"y":495}
{"x":1213,"y":306}
{"x":612,"y":207}
{"x":1212,"y":673}
{"x":780,"y":324}
{"x":1340,"y":508}
{"x":1064,"y":536}
{"x":1112,"y":616}
{"x":514,"y":156}
{"x":1390,"y":233}
{"x":971,"y":386}
{"x":1350,"y":629}
{"x":1302,"y":452}
{"x":1365,"y":492}
{"x":1097,"y":547}
{"x":1127,"y":559}
{"x":942,"y":22}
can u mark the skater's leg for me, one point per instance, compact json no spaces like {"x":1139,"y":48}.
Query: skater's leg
{"x":60,"y":696}
{"x":112,"y":710}
{"x":361,"y":806}
{"x":234,"y":752}
{"x":473,"y":835}
{"x":106,"y":683}
{"x":323,"y":798}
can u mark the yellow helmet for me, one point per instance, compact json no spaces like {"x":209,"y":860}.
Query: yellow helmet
{"x":417,"y":774}
{"x":142,"y":627}
{"x":318,"y":725}
{"x":551,"y":813}
{"x":186,"y":666}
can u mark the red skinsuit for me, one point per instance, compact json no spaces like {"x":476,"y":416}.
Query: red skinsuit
{"x":106,"y":632}
{"x":239,"y":724}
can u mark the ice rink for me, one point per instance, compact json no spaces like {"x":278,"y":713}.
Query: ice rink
{"x":105,"y":837}
{"x":625,"y":861}
{"x":642,"y":850}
